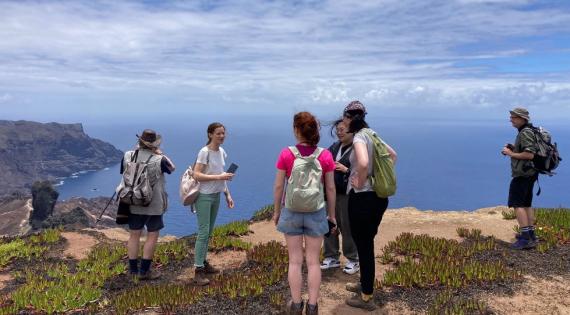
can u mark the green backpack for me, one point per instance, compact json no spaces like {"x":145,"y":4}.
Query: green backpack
{"x":383,"y":180}
{"x":304,"y":191}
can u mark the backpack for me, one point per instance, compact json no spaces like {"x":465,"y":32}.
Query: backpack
{"x":189,"y":186}
{"x":304,"y":192}
{"x":383,"y":180}
{"x":547,"y":158}
{"x":135,"y":187}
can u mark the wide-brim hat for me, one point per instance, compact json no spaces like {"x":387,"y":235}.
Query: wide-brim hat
{"x":150,"y":138}
{"x":520,"y":112}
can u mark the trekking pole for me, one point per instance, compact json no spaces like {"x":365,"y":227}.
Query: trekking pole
{"x":108,"y":203}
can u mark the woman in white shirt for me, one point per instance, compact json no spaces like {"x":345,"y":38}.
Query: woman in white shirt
{"x":209,"y":171}
{"x":365,"y":208}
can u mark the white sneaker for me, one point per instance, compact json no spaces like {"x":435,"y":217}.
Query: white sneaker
{"x":330,"y":262}
{"x":351,"y":267}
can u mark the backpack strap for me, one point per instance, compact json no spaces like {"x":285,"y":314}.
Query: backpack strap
{"x":135,"y":156}
{"x":295,"y":151}
{"x":317,"y":152}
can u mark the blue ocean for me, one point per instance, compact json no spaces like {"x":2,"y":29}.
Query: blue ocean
{"x":442,"y":165}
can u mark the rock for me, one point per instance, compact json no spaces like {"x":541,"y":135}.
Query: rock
{"x":31,"y":151}
{"x":44,"y":197}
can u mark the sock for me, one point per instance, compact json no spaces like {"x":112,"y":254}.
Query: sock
{"x":312,"y":307}
{"x":366,"y":297}
{"x":134,"y":265}
{"x":145,"y":265}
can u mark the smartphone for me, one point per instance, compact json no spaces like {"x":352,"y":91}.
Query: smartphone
{"x":331,"y":226}
{"x":232,"y":169}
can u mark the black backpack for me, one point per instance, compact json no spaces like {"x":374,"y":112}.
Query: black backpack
{"x":547,"y":158}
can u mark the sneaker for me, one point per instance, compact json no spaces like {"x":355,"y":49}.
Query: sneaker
{"x":533,"y":237}
{"x":149,"y":275}
{"x":351,"y":267}
{"x":209,"y":268}
{"x":355,"y":287}
{"x":329,"y":263}
{"x":292,"y":309}
{"x":357,"y":301}
{"x":523,"y":243}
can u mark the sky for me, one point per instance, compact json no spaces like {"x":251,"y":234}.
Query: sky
{"x":469,"y":59}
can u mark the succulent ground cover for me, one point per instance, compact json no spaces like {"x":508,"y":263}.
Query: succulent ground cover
{"x":431,"y":275}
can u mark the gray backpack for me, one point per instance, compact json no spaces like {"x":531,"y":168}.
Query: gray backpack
{"x":304,"y":191}
{"x":135,"y":187}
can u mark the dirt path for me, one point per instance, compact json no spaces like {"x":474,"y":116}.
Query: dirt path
{"x":78,"y":245}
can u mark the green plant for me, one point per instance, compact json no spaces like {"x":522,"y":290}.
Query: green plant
{"x":237,"y":228}
{"x":509,"y":214}
{"x":449,"y":303}
{"x":263,"y":214}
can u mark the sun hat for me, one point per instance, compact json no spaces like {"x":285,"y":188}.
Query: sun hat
{"x":150,"y":138}
{"x":520,"y":112}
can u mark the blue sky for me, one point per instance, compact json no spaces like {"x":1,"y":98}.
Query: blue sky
{"x":74,"y":60}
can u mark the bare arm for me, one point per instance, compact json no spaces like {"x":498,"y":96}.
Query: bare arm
{"x":278,"y":187}
{"x":331,"y":195}
{"x":361,"y":167}
{"x":201,"y":177}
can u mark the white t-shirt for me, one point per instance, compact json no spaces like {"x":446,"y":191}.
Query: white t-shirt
{"x":360,"y":137}
{"x":215,"y":162}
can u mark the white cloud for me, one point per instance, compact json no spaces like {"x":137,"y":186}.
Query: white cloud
{"x":5,"y":98}
{"x":397,"y":52}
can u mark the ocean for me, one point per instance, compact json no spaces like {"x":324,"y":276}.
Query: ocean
{"x":442,"y":165}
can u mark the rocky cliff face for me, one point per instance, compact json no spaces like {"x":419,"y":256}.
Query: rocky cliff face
{"x":31,"y":151}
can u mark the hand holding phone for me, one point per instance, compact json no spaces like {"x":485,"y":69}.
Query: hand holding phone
{"x":232,"y":169}
{"x":331,"y":227}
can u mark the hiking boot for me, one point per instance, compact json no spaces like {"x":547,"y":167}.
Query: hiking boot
{"x":523,"y":243}
{"x":351,"y":267}
{"x":357,"y":301}
{"x":293,"y":309}
{"x":533,"y":237}
{"x":209,"y":268}
{"x":149,"y":275}
{"x":312,"y":311}
{"x":355,"y":287}
{"x":200,"y":276}
{"x":329,"y":263}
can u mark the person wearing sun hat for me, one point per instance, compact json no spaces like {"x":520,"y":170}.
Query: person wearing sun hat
{"x":523,"y":176}
{"x":365,"y":208}
{"x":147,"y":148}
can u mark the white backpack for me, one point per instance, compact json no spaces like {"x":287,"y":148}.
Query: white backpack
{"x":305,"y":191}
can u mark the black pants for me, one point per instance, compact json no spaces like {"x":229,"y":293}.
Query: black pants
{"x":365,"y":211}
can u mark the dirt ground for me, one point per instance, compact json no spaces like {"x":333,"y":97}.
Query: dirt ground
{"x":550,"y":295}
{"x":538,"y":296}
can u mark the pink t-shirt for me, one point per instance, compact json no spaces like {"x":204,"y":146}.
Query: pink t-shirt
{"x":286,"y":159}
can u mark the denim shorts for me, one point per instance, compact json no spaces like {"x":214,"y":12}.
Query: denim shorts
{"x":303,"y":223}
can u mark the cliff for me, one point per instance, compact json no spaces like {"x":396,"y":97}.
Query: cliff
{"x":31,"y":151}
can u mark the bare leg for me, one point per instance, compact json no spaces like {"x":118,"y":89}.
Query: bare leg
{"x":150,"y":244}
{"x":295,"y":248}
{"x":313,"y":251}
{"x":133,"y":243}
{"x":522,"y":217}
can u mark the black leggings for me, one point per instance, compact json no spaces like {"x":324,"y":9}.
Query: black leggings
{"x":365,"y":211}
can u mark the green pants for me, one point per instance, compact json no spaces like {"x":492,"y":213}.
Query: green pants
{"x":206,"y":206}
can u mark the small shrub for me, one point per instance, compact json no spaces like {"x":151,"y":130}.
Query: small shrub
{"x":263,"y":214}
{"x":509,"y":214}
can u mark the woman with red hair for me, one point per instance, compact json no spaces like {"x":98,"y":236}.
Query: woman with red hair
{"x":304,"y":217}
